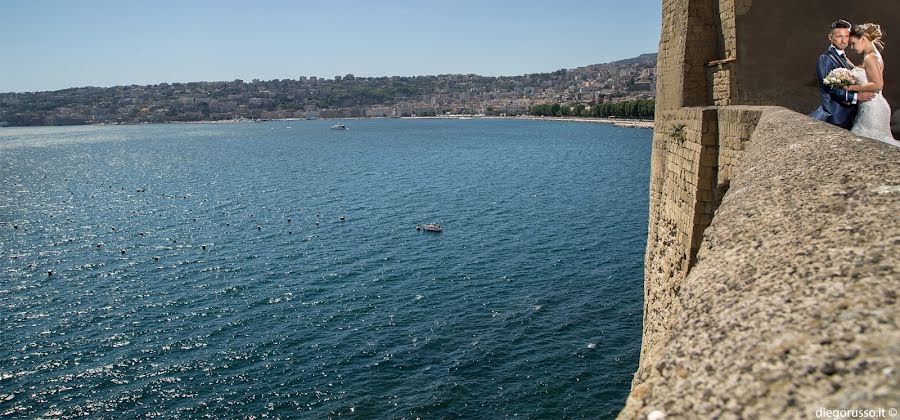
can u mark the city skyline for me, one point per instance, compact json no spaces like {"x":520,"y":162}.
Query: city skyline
{"x":56,"y":45}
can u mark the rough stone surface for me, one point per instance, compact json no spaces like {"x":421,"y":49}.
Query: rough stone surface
{"x":792,"y":303}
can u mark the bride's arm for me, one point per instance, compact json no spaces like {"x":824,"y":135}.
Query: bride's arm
{"x":873,"y":73}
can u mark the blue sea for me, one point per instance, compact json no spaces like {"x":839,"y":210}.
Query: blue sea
{"x":274,"y":269}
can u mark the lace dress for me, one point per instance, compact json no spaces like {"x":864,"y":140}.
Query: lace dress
{"x":874,"y":117}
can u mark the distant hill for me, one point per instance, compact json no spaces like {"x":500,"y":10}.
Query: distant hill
{"x":337,"y":97}
{"x":643,"y":59}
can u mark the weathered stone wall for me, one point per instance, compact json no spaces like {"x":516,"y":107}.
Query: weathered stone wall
{"x":695,"y":152}
{"x":792,"y":303}
{"x":721,"y":66}
{"x":736,"y":124}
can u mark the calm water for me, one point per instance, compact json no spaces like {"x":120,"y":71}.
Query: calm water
{"x":206,"y":270}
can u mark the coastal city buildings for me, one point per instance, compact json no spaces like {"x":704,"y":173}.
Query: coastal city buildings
{"x":346,"y":96}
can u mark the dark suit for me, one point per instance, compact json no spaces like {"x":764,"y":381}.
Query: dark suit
{"x":838,"y":106}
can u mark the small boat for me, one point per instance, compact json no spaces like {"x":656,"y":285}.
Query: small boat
{"x":430,"y":227}
{"x":339,"y":127}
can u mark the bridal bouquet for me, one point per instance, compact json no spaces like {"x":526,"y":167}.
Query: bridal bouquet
{"x":839,"y":77}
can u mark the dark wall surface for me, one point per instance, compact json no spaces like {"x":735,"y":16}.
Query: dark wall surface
{"x":779,"y":41}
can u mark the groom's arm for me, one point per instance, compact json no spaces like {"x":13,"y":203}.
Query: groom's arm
{"x":839,"y":95}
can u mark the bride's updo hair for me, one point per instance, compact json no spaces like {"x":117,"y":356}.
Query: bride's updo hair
{"x":872,"y":31}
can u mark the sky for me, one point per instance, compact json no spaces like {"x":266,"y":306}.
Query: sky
{"x":56,"y":44}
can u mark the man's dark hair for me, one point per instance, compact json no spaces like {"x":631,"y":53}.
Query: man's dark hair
{"x":840,"y":24}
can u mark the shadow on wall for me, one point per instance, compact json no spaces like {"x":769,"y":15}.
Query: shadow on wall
{"x":777,"y":49}
{"x":895,"y":124}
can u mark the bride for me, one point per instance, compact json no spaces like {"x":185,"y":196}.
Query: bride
{"x":874,"y":117}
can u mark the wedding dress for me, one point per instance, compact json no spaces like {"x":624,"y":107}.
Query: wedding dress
{"x":874,"y":117}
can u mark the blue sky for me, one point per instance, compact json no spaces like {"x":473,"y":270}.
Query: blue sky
{"x":49,"y":45}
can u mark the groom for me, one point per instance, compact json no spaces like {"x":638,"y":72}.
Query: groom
{"x":838,"y":105}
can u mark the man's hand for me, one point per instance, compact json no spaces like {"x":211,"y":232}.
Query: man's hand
{"x":864,"y":96}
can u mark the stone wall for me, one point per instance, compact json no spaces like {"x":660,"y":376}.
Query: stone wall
{"x":791,"y":304}
{"x":695,"y":153}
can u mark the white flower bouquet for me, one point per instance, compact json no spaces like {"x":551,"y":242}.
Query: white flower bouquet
{"x":839,"y":77}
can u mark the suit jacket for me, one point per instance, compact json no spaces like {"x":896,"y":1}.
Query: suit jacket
{"x":838,"y":106}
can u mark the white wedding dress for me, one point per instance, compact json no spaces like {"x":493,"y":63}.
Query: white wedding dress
{"x":874,"y":117}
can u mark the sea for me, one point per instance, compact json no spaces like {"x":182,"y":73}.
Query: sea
{"x":274,"y":269}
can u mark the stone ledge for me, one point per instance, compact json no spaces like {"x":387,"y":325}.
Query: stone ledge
{"x":792,"y":305}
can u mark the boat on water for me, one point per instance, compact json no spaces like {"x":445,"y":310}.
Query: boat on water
{"x":339,"y":127}
{"x":430,"y":227}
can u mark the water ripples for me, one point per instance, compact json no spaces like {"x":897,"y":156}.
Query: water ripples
{"x":238,"y":270}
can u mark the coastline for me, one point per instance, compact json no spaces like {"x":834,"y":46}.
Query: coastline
{"x":618,"y":122}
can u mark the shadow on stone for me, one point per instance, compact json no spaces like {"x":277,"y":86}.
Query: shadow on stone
{"x":895,"y":124}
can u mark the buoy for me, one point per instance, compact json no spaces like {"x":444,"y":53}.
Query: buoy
{"x":289,"y":220}
{"x":204,"y":247}
{"x":123,"y":252}
{"x":258,"y":227}
{"x":49,"y":273}
{"x":156,"y":258}
{"x":342,"y":218}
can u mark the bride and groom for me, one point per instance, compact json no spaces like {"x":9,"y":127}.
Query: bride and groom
{"x":859,"y":107}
